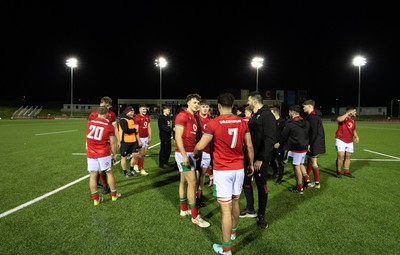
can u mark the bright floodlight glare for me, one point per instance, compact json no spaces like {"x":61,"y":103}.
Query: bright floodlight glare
{"x":359,"y":61}
{"x":72,"y":62}
{"x":257,"y":62}
{"x":161,"y":62}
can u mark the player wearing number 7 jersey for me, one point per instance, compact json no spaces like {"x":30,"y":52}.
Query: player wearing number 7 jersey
{"x":228,"y":133}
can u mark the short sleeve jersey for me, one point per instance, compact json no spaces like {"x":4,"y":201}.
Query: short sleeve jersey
{"x":187,"y":120}
{"x":203,"y":123}
{"x":98,"y":132}
{"x":112,"y":118}
{"x":228,"y":132}
{"x":143,"y":122}
{"x":345,"y":131}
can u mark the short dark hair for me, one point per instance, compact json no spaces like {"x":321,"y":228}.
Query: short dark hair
{"x":107,"y":100}
{"x":102,"y":110}
{"x":204,"y":102}
{"x":275,"y":109}
{"x":295,"y":108}
{"x":226,"y":99}
{"x":257,"y":96}
{"x":350,"y":107}
{"x":309,"y":102}
{"x":166,"y":107}
{"x":142,"y":105}
{"x":191,"y":96}
{"x":240,"y":108}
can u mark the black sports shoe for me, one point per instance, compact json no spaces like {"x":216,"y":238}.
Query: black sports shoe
{"x":261,"y":222}
{"x":338,"y":175}
{"x":99,"y":185}
{"x":349,"y":175}
{"x":106,"y":190}
{"x":246,"y":213}
{"x":277,"y":182}
{"x":295,"y":190}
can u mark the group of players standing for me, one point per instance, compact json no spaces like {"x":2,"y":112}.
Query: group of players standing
{"x":242,"y":148}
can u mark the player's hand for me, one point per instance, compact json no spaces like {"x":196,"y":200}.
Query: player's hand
{"x":250,"y":171}
{"x":257,"y":165}
{"x":114,"y":158}
{"x":149,"y":140}
{"x":356,"y":139}
{"x":277,"y":145}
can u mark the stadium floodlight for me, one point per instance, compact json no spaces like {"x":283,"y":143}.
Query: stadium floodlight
{"x":161,"y":63}
{"x":72,"y":63}
{"x":257,"y":63}
{"x":359,"y":61}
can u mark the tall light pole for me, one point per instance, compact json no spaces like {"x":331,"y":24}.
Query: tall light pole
{"x":257,"y":62}
{"x":336,"y":107}
{"x":161,"y":63}
{"x":398,"y":112}
{"x":359,"y":61}
{"x":72,"y":63}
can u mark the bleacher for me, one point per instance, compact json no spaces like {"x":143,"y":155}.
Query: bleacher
{"x":27,"y":112}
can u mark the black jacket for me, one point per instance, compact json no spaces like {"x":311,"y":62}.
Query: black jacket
{"x":263,"y":130}
{"x":164,"y":126}
{"x":281,"y":123}
{"x":316,"y":134}
{"x":295,"y":134}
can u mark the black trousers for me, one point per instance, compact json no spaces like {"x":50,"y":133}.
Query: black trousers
{"x":165,"y":151}
{"x":262,"y":189}
{"x":277,"y":164}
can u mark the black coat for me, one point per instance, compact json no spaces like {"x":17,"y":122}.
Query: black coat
{"x":164,"y":126}
{"x":295,"y":134}
{"x":263,"y":130}
{"x":316,"y":134}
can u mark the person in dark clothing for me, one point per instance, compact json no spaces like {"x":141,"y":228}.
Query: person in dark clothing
{"x":295,"y":135}
{"x":130,"y":141}
{"x":263,"y":130}
{"x":165,"y":131}
{"x":278,"y":155}
{"x":317,"y":140}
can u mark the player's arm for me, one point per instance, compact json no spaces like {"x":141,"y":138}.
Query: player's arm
{"x":356,"y":138}
{"x":198,"y":149}
{"x":137,"y":135}
{"x":149,"y":130}
{"x":250,"y":153}
{"x":113,"y":143}
{"x":179,"y":142}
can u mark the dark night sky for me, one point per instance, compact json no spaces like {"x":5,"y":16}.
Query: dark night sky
{"x":208,"y":46}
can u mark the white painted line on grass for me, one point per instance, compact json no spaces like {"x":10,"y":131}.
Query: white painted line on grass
{"x":41,"y":197}
{"x":59,"y":132}
{"x":375,"y":159}
{"x":382,"y":154}
{"x":52,"y":192}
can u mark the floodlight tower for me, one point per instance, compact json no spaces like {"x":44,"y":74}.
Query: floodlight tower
{"x":161,"y":63}
{"x":257,"y":63}
{"x":72,"y":63}
{"x":359,"y":61}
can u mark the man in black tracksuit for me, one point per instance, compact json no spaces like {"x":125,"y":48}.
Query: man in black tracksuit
{"x":295,"y":137}
{"x":165,"y":130}
{"x":262,"y":126}
{"x":278,"y":155}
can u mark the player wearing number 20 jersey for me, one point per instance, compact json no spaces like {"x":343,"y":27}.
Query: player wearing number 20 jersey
{"x":98,"y":133}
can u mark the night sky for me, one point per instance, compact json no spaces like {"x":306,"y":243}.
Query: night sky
{"x":208,"y":46}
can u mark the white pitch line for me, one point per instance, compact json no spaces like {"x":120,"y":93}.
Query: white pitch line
{"x":382,"y":154}
{"x":59,"y":132}
{"x":51,"y":192}
{"x":375,"y":159}
{"x":41,"y":197}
